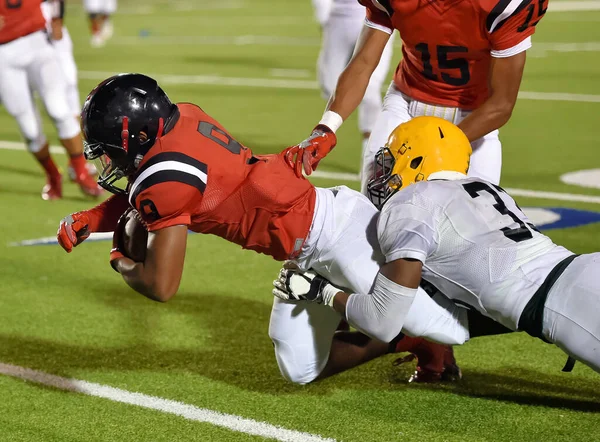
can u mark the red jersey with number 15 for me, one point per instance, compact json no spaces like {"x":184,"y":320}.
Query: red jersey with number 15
{"x":199,"y":176}
{"x":19,"y":18}
{"x":448,"y":44}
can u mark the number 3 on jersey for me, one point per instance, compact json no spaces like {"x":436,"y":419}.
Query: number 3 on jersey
{"x":518,"y":234}
{"x":446,"y":62}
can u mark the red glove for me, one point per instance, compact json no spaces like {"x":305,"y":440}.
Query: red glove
{"x":73,"y":230}
{"x":311,"y":151}
{"x":115,"y":252}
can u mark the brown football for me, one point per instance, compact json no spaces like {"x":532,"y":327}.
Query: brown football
{"x":134,"y":237}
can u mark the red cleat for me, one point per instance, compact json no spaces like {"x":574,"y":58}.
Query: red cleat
{"x":88,"y":185}
{"x":53,"y":189}
{"x":435,"y":362}
{"x":91,"y":169}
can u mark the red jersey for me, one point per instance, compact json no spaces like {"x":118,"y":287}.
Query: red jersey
{"x":199,"y":176}
{"x":19,"y":18}
{"x":447,"y":44}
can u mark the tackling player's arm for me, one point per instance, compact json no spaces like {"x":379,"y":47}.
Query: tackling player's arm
{"x":348,"y":94}
{"x":406,"y":237}
{"x":509,"y":32}
{"x":158,"y":277}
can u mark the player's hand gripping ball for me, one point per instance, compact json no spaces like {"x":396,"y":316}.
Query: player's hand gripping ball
{"x":131,"y":236}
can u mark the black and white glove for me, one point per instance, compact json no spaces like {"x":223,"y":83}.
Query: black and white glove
{"x":295,"y":285}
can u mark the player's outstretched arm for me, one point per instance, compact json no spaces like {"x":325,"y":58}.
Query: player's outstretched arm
{"x":158,"y":277}
{"x":348,"y":94}
{"x":76,"y":227}
{"x":505,"y":80}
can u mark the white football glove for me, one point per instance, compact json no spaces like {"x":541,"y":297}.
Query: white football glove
{"x":295,"y":285}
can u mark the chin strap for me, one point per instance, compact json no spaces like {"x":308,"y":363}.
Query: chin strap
{"x":161,"y":126}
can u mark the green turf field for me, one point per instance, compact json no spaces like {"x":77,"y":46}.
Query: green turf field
{"x":72,"y":316}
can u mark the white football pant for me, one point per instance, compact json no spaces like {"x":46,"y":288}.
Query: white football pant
{"x":342,"y":246}
{"x":104,"y":7}
{"x":486,"y":161}
{"x":339,"y":38}
{"x":64,"y":52}
{"x":572,"y":311}
{"x":30,"y":63}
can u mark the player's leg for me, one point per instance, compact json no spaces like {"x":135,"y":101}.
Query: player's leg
{"x":109,"y":8}
{"x":48,"y":79}
{"x":393,"y":113}
{"x":336,"y":50}
{"x":98,"y":16}
{"x":302,"y":334}
{"x":370,"y":107}
{"x":16,"y":97}
{"x":64,"y":50}
{"x":571,"y":311}
{"x":486,"y":160}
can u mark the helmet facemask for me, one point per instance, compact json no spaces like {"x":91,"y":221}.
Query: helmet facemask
{"x":115,"y":163}
{"x":384,"y":183}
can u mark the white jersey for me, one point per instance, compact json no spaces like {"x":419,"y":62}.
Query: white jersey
{"x":476,"y":245}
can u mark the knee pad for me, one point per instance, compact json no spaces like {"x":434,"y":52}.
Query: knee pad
{"x":291,"y":369}
{"x":31,"y":130}
{"x":67,"y":127}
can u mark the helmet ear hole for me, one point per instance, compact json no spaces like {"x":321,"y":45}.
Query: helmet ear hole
{"x":416,"y":162}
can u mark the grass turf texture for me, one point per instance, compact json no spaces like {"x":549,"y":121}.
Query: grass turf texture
{"x":71,"y":315}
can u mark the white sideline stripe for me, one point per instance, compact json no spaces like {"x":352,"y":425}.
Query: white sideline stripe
{"x":13,"y":145}
{"x":557,"y":96}
{"x":187,"y":411}
{"x":570,"y":6}
{"x":516,"y":192}
{"x":210,"y":40}
{"x":274,"y":83}
{"x":588,"y":46}
{"x":50,"y":240}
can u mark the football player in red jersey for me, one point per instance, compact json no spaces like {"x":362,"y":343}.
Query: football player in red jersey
{"x":28,"y":59}
{"x":463,"y":60}
{"x":182,"y":170}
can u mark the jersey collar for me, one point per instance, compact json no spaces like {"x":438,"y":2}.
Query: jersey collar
{"x":446,"y":175}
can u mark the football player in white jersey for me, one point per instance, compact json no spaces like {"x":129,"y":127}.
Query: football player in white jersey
{"x":341,"y":23}
{"x":470,"y":240}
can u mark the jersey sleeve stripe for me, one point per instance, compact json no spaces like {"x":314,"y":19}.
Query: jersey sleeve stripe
{"x":167,"y":176}
{"x":379,"y":27}
{"x":504,"y":10}
{"x":171,"y":156}
{"x":169,"y":171}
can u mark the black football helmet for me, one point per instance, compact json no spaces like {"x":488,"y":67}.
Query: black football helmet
{"x":120,"y":120}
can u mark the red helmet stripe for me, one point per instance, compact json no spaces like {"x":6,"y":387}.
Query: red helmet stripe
{"x":125,"y":134}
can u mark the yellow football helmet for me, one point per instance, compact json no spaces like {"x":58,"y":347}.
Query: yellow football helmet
{"x":415,"y":150}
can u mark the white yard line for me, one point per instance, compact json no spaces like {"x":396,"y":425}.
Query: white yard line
{"x":208,"y":40}
{"x":569,"y":6}
{"x":187,"y":411}
{"x":341,"y":176}
{"x":559,"y":196}
{"x":274,"y":83}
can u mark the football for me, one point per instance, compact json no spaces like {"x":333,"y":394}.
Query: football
{"x":134,"y":236}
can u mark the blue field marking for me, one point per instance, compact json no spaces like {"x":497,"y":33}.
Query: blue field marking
{"x":562,"y":218}
{"x":570,"y":218}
